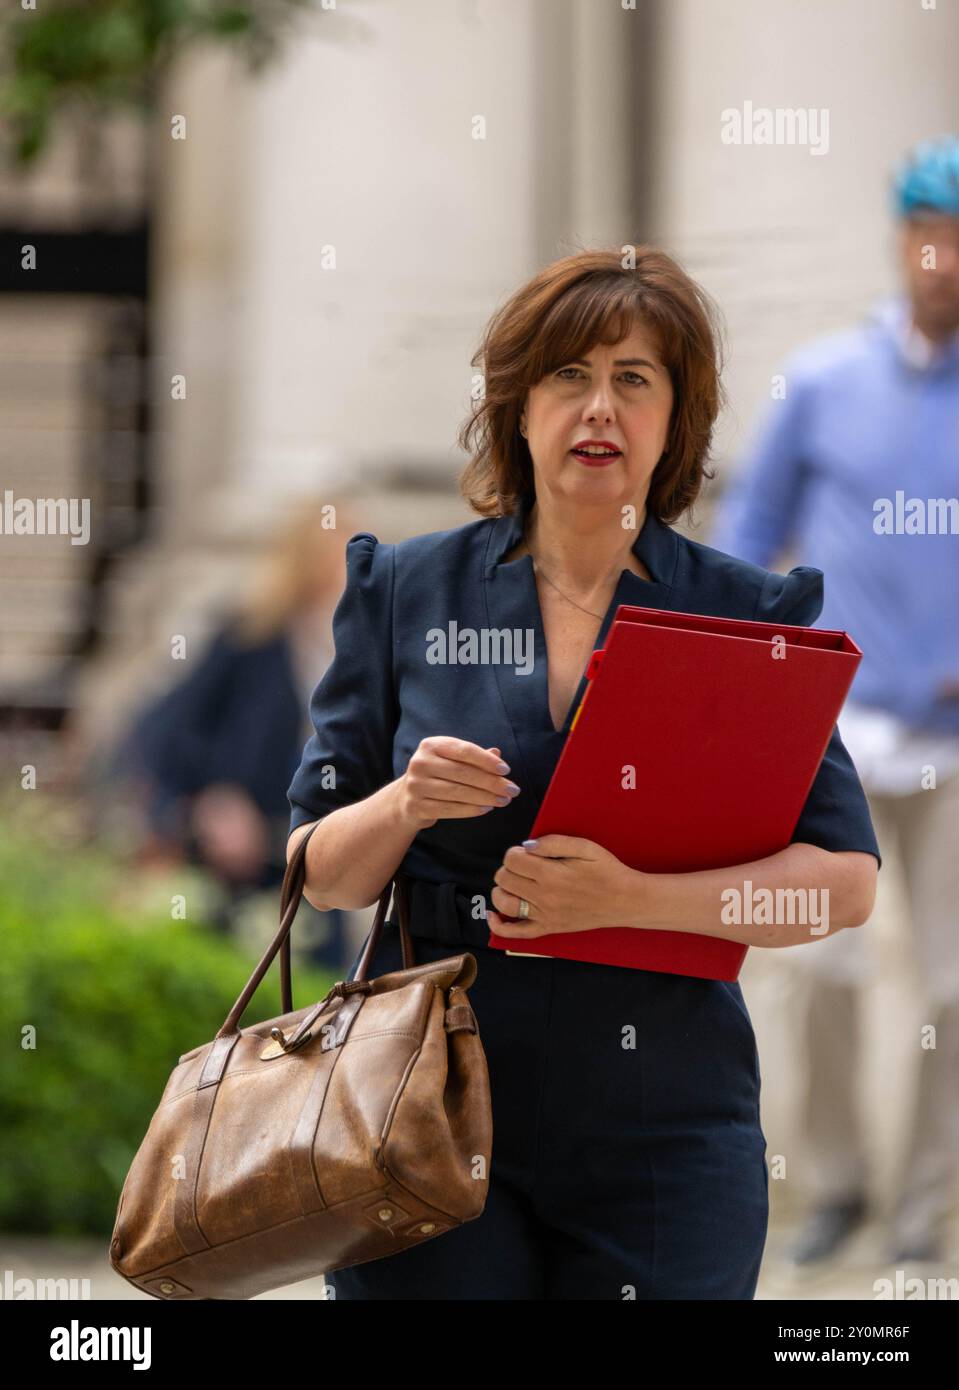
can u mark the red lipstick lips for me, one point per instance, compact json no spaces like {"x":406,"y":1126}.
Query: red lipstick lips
{"x":595,"y":453}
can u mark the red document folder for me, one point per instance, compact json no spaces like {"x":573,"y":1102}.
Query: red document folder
{"x":726,"y":723}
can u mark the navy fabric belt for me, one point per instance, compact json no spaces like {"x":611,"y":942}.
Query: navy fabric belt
{"x":444,"y":912}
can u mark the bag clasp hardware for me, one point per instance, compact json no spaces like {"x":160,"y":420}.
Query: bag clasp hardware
{"x":282,"y":1043}
{"x":291,"y":1043}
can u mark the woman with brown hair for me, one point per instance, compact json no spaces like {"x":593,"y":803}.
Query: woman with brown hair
{"x":628,"y":1156}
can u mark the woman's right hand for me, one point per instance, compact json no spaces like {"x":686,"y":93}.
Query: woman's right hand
{"x":449,"y":778}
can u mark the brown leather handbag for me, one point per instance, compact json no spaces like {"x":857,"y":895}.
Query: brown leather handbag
{"x":333,"y":1134}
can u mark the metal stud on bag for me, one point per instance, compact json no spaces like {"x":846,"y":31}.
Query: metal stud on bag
{"x":289,"y":1043}
{"x":279,"y":1036}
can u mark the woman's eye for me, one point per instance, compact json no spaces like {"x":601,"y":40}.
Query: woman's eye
{"x":637,"y":379}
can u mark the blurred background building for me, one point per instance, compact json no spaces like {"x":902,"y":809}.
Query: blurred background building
{"x":316,"y":256}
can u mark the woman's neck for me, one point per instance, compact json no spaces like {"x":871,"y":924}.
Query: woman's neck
{"x":584,"y":549}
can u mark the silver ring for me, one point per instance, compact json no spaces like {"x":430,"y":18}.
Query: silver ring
{"x":523,"y":907}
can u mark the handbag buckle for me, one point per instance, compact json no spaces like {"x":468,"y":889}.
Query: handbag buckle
{"x":291,"y":1043}
{"x":281,"y":1043}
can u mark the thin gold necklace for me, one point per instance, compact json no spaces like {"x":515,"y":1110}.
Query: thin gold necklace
{"x":538,"y":570}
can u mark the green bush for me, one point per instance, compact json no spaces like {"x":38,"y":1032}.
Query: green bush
{"x":115,"y":995}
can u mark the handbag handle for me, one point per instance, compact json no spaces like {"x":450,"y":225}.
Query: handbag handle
{"x":401,"y":896}
{"x":291,"y":893}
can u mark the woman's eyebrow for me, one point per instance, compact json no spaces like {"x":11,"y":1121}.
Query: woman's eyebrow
{"x":619,"y":362}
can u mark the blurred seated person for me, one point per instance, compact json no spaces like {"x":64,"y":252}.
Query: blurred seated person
{"x":215,"y":754}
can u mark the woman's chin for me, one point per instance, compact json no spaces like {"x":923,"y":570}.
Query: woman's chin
{"x":598,"y":485}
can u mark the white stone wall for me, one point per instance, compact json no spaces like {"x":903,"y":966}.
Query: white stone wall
{"x":791,"y":243}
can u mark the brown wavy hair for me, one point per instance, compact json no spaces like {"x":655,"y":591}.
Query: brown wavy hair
{"x":584,"y":299}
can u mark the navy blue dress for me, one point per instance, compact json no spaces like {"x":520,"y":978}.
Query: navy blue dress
{"x":628,"y":1155}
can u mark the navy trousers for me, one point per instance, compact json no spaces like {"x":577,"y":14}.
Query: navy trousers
{"x":628,"y":1158}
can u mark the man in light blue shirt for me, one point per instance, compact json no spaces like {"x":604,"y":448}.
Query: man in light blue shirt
{"x":855,"y":470}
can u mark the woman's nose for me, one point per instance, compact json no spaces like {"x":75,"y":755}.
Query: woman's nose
{"x":600,"y":403}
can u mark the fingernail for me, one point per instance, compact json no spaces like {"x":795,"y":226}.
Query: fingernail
{"x":503,"y":800}
{"x":502,"y":767}
{"x":530,"y":844}
{"x":513,"y":788}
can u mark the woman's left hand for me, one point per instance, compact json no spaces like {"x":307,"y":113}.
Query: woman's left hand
{"x":570,"y":884}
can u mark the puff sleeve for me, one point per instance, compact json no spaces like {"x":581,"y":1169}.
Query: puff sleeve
{"x":350,"y":753}
{"x":836,"y":813}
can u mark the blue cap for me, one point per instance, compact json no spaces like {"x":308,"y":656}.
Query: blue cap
{"x":929,"y":178}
